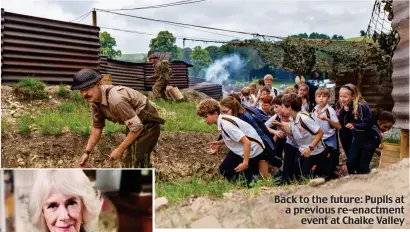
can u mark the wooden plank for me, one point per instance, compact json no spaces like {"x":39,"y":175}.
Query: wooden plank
{"x":404,"y":144}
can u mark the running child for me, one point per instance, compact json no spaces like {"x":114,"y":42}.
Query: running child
{"x":244,"y":144}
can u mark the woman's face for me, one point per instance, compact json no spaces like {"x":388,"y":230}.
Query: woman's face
{"x":226,"y":110}
{"x":252,"y":89}
{"x":303,"y":91}
{"x":345,"y":96}
{"x":63,"y":213}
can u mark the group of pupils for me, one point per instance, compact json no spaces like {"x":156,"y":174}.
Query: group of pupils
{"x":289,"y":132}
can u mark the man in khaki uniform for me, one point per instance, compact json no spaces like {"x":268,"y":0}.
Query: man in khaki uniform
{"x":163,"y":74}
{"x":120,"y":105}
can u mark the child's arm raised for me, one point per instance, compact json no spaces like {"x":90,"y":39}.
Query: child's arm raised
{"x":246,"y":154}
{"x":284,"y":126}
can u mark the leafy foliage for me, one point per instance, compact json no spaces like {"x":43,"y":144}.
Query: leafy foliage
{"x":30,"y":88}
{"x":165,"y":42}
{"x":107,"y":45}
{"x":200,"y":59}
{"x":305,"y":56}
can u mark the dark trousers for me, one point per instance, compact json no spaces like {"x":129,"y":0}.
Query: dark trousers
{"x":272,"y":157}
{"x":232,"y":160}
{"x":289,"y":163}
{"x":279,"y":147}
{"x":332,"y":155}
{"x":353,"y":154}
{"x":314,"y":165}
{"x":346,"y":138}
{"x":361,"y":162}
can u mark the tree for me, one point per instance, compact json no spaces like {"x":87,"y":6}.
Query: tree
{"x":362,"y":32}
{"x":107,"y":44}
{"x":337,"y":37}
{"x":213,"y":52}
{"x":200,"y":60}
{"x":164,"y":42}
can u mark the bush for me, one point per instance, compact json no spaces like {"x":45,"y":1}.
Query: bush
{"x":30,"y":88}
{"x":63,"y":92}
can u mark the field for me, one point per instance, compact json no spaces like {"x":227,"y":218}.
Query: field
{"x":53,"y":132}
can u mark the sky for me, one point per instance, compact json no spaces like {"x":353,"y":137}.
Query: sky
{"x":269,"y":17}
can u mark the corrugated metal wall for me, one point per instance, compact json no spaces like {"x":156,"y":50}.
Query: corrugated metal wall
{"x":378,"y":96}
{"x":210,"y":89}
{"x":400,"y":75}
{"x":50,"y":50}
{"x":124,"y":73}
{"x":193,"y":81}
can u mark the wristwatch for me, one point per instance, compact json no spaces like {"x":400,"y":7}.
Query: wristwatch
{"x":311,"y":148}
{"x":88,"y":152}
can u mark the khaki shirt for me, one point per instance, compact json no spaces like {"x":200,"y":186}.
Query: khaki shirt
{"x":123,"y":106}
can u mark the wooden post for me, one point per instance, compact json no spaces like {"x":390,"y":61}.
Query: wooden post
{"x":94,"y":18}
{"x":404,"y":144}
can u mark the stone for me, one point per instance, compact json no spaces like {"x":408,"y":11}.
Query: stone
{"x":161,"y":203}
{"x":316,"y":182}
{"x":17,"y":114}
{"x":65,"y":130}
{"x":206,"y":222}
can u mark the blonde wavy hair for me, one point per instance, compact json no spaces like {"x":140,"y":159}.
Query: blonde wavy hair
{"x":356,"y":95}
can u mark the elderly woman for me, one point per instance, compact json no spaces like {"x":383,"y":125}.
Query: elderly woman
{"x":64,"y":200}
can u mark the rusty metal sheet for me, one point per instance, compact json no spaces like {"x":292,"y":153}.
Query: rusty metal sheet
{"x":46,"y":31}
{"x":50,"y":50}
{"x":400,"y":60}
{"x":210,"y":89}
{"x":31,"y":36}
{"x":49,"y":23}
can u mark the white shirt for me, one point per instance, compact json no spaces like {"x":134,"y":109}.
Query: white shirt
{"x":305,"y":107}
{"x":325,"y":125}
{"x":272,"y":91}
{"x":289,"y":138}
{"x":302,"y":136}
{"x":268,"y":122}
{"x":232,"y":135}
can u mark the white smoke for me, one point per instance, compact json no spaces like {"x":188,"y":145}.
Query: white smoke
{"x":222,"y":68}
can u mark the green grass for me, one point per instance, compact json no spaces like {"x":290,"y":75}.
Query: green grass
{"x":182,"y":117}
{"x":75,"y":115}
{"x":62,"y":91}
{"x":24,"y":124}
{"x":394,"y":140}
{"x":176,"y":191}
{"x":4,"y":125}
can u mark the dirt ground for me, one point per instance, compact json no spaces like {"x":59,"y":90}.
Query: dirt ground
{"x":179,"y":154}
{"x":241,"y":209}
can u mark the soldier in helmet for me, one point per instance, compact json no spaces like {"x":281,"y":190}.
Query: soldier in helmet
{"x":120,"y":105}
{"x":163,"y":74}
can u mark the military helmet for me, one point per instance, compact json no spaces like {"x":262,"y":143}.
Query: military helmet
{"x":84,"y":78}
